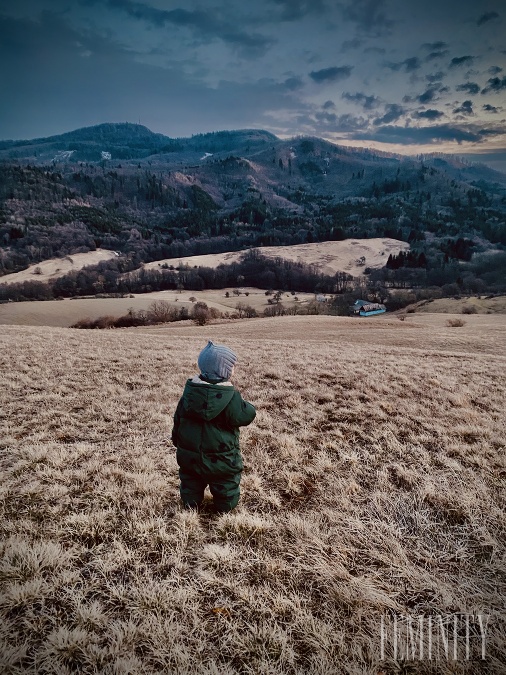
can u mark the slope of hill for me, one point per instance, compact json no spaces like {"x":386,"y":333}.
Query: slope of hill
{"x":48,"y":270}
{"x":351,"y":255}
{"x":373,"y":488}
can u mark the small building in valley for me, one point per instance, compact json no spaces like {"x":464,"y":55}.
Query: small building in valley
{"x":366,"y":308}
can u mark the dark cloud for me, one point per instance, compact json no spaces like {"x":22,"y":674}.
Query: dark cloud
{"x":333,"y":74}
{"x":488,"y":16}
{"x":329,"y":105}
{"x":293,"y":83}
{"x":340,"y":123}
{"x":491,"y":108}
{"x":325,"y":122}
{"x":206,"y":25}
{"x":393,"y":112}
{"x":435,"y":77}
{"x":493,"y":70}
{"x":494,"y":85}
{"x":430,"y":114}
{"x":369,"y":16}
{"x":293,"y":10}
{"x":434,"y":46}
{"x":437,"y":55}
{"x":470,"y":87}
{"x":428,"y":95}
{"x":408,"y":65}
{"x":461,"y":61}
{"x":465,"y":109}
{"x":430,"y":135}
{"x":367,"y":102}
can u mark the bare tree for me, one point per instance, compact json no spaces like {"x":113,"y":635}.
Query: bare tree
{"x":160,"y":311}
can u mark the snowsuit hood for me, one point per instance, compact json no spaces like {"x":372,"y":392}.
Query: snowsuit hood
{"x":206,"y":401}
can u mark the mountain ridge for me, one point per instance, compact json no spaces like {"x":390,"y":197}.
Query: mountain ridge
{"x":130,"y":134}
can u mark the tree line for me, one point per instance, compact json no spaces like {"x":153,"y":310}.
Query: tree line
{"x":123,"y":276}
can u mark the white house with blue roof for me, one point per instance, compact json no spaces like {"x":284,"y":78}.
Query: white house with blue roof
{"x":366,"y":308}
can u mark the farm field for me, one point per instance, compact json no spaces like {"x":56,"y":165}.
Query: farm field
{"x":373,"y":485}
{"x":329,"y":256}
{"x":64,"y":313}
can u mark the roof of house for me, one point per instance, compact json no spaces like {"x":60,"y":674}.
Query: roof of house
{"x":367,"y":303}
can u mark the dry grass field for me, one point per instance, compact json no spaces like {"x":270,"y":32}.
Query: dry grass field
{"x":329,"y":256}
{"x":479,"y":304}
{"x":58,"y":267}
{"x":374,"y":483}
{"x":64,"y":313}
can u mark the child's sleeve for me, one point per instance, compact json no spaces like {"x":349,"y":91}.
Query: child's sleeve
{"x":239,"y":413}
{"x":177,"y":420}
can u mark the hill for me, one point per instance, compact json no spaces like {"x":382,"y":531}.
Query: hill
{"x":151,"y":197}
{"x":373,"y":488}
{"x":351,"y":256}
{"x":124,"y":141}
{"x":48,"y":270}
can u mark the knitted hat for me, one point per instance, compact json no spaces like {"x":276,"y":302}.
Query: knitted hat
{"x":216,"y":362}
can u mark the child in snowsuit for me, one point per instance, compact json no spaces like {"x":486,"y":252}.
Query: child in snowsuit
{"x":206,"y":431}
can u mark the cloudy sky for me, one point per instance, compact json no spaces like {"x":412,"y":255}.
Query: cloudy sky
{"x":396,"y":75}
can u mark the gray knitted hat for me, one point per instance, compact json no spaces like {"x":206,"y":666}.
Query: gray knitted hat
{"x":216,"y":361}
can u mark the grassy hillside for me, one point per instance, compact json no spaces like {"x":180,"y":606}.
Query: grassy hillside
{"x":48,"y":270}
{"x":373,"y":483}
{"x":351,"y":255}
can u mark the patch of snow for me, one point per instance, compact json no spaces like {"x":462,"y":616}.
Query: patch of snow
{"x":206,"y":155}
{"x":106,"y":155}
{"x":63,"y":155}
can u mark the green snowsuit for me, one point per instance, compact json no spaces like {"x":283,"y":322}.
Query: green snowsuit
{"x":206,"y":435}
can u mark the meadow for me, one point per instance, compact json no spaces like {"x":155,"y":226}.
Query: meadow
{"x":373,"y":486}
{"x":54,"y":268}
{"x":328,"y":256}
{"x":65,"y":313}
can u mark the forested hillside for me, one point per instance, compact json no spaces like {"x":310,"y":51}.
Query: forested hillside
{"x":145,"y":195}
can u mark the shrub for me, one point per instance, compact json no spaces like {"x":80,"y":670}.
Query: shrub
{"x":201,"y":314}
{"x":100,"y":322}
{"x":455,"y":323}
{"x":469,"y":309}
